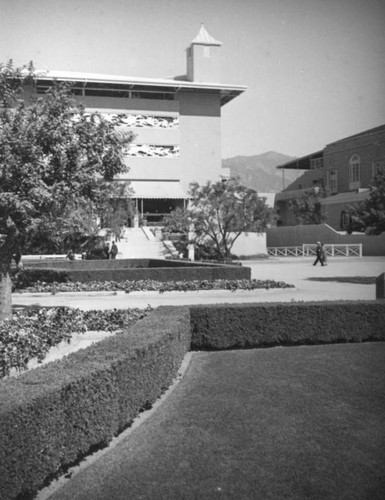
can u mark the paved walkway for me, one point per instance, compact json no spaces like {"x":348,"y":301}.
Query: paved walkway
{"x":297,"y":271}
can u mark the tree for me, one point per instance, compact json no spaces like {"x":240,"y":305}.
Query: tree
{"x":307,"y":207}
{"x":53,"y":155}
{"x":369,"y":216}
{"x":115,"y":207}
{"x":219,"y":213}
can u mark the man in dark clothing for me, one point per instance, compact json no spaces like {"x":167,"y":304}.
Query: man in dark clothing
{"x":114,"y":250}
{"x":319,"y":254}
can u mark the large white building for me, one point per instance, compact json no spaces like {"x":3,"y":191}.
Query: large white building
{"x":176,"y":122}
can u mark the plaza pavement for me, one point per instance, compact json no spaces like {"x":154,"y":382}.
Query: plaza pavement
{"x":296,"y":271}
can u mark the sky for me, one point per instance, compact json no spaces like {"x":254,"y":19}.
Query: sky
{"x":314,"y":69}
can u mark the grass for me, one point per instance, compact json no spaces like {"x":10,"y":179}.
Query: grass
{"x":293,"y":423}
{"x":359,"y":280}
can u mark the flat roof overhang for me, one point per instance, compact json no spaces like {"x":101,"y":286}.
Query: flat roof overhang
{"x":227,"y":92}
{"x":302,"y":163}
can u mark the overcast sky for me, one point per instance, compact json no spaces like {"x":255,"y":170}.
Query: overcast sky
{"x":315,"y":69}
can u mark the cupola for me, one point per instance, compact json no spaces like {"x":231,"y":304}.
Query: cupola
{"x":203,"y":58}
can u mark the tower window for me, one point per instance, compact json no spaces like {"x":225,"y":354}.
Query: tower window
{"x":206,"y":51}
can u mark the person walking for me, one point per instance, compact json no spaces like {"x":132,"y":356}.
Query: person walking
{"x":324,"y":255}
{"x":319,"y":254}
{"x":114,"y":250}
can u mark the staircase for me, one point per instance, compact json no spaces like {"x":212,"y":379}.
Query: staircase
{"x":140,"y":243}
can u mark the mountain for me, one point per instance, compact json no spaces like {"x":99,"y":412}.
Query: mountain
{"x":260,"y":172}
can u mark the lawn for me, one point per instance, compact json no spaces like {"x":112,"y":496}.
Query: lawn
{"x":356,"y":280}
{"x":293,"y":423}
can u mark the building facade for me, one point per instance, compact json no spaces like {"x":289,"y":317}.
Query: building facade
{"x":345,"y":170}
{"x":176,"y":124}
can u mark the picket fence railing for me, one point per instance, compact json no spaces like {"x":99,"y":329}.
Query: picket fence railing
{"x":309,"y":250}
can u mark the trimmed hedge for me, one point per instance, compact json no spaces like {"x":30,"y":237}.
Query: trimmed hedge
{"x":234,"y":326}
{"x":131,"y":270}
{"x":53,"y":415}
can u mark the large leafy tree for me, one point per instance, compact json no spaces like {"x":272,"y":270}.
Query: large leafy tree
{"x":307,"y":208}
{"x":369,"y":216}
{"x":219,"y":212}
{"x":53,"y":155}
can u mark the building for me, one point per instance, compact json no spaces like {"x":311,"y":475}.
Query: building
{"x":344,"y":168}
{"x":176,"y":122}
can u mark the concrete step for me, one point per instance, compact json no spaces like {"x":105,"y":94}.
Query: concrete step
{"x":135,"y":245}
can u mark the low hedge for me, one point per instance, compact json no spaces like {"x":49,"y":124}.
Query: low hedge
{"x":160,"y":274}
{"x":127,"y":270}
{"x":234,"y":326}
{"x":51,"y":416}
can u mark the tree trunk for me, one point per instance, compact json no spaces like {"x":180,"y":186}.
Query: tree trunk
{"x":7,"y":250}
{"x":5,"y":291}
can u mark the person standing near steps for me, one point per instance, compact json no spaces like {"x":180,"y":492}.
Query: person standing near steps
{"x":319,"y":254}
{"x":114,"y":250}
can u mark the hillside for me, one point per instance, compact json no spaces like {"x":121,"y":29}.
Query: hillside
{"x":260,"y":172}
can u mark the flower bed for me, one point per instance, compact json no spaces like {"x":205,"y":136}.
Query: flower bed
{"x":30,"y":334}
{"x":152,"y":285}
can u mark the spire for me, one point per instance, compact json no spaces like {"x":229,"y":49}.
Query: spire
{"x":203,"y":38}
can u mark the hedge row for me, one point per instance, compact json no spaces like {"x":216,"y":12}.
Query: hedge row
{"x":51,"y":416}
{"x":117,"y":264}
{"x":234,"y":326}
{"x":150,"y":273}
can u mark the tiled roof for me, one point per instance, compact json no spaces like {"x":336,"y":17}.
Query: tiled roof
{"x":203,"y":38}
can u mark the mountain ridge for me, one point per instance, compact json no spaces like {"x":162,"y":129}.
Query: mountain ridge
{"x":259,"y":171}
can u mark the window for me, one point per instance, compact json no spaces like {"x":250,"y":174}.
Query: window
{"x":332,"y":182}
{"x":354,"y":172}
{"x":206,"y":51}
{"x":316,"y":163}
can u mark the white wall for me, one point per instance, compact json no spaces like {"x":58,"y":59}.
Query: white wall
{"x":250,"y":244}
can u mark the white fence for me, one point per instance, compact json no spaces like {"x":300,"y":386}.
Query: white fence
{"x":309,"y":250}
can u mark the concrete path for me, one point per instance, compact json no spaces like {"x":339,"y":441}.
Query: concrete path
{"x":297,"y":271}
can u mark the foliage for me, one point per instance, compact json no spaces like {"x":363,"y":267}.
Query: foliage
{"x":31,"y":333}
{"x":53,"y":159}
{"x":307,"y":207}
{"x":23,"y":279}
{"x":116,"y":207}
{"x":152,"y":285}
{"x":369,"y":216}
{"x":218,"y":213}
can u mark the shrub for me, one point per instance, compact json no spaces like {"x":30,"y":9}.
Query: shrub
{"x":30,"y":334}
{"x":153,"y":285}
{"x":231,"y":326}
{"x":24,"y":278}
{"x":56,"y":414}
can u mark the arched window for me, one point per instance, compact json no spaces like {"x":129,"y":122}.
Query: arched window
{"x":354,"y":172}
